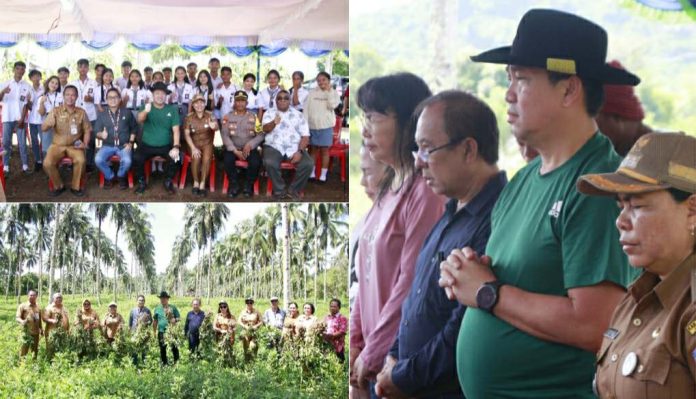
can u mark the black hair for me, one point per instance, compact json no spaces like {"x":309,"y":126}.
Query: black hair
{"x":107,"y":70}
{"x":82,"y":61}
{"x":126,"y":63}
{"x":594,"y":91}
{"x":140,"y":296}
{"x":209,"y":104}
{"x":396,"y":94}
{"x":191,"y":63}
{"x":214,"y":59}
{"x":63,"y":69}
{"x":298,"y":73}
{"x":19,"y":64}
{"x":115,"y":90}
{"x":147,"y":69}
{"x":159,"y":72}
{"x":225,"y":68}
{"x":293,"y":303}
{"x":338,"y":302}
{"x":229,"y":312}
{"x":273,"y":72}
{"x":34,"y":72}
{"x":679,"y":195}
{"x":186,"y":79}
{"x":311,"y":305}
{"x":324,"y":74}
{"x":466,"y":116}
{"x":249,"y":75}
{"x":141,"y":84}
{"x":100,"y":66}
{"x":47,"y":81}
{"x":65,"y":89}
{"x":165,"y":69}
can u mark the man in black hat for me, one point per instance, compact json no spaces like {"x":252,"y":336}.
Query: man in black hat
{"x":160,"y":137}
{"x":165,"y":315}
{"x":543,"y":295}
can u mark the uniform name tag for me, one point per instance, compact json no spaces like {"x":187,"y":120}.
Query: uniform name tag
{"x":691,"y":328}
{"x":611,"y":333}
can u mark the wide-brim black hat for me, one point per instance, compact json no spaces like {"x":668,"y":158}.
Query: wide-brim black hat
{"x":560,"y":42}
{"x":163,"y":294}
{"x":160,"y":86}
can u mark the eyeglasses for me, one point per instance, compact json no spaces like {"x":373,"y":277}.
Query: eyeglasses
{"x":223,"y":306}
{"x":424,"y":155}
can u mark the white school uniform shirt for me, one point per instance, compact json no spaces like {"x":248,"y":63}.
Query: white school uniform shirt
{"x":53,"y":100}
{"x":88,"y":87}
{"x":186,"y":93}
{"x":252,"y":101}
{"x":266,"y":98}
{"x":121,"y":83}
{"x":140,"y":96}
{"x":15,"y":100}
{"x":227,"y":94}
{"x":216,"y":81}
{"x":34,"y":116}
{"x":98,"y":94}
{"x":302,"y":94}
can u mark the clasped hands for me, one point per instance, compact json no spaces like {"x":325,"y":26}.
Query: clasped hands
{"x":463,"y":273}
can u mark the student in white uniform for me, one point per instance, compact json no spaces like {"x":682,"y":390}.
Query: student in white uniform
{"x":298,"y":94}
{"x":122,"y":82}
{"x":35,"y":118}
{"x":214,"y":67}
{"x":15,"y":94}
{"x":148,"y":77}
{"x":98,"y":72}
{"x":53,"y":97}
{"x":167,"y":75}
{"x":252,"y":94}
{"x":225,"y":93}
{"x":204,"y":87}
{"x":86,"y":89}
{"x":63,"y":77}
{"x":192,"y":69}
{"x":181,"y":93}
{"x":100,"y":94}
{"x":135,"y":94}
{"x":266,"y":99}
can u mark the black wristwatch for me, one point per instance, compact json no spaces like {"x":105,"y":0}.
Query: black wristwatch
{"x":487,"y":295}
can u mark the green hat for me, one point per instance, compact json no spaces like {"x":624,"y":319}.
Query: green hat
{"x":164,"y":294}
{"x":657,"y":161}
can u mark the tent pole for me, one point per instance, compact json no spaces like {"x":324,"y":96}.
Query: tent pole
{"x":258,"y":69}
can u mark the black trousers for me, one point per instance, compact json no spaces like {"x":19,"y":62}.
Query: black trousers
{"x":163,"y":349}
{"x":254,"y":160}
{"x":145,"y":152}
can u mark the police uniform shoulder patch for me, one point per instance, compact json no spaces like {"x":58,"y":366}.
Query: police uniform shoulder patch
{"x":691,"y":327}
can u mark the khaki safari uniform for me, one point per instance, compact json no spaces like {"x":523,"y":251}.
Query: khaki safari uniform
{"x":68,"y":126}
{"x":51,"y":312}
{"x":225,"y":324}
{"x":202,"y":136}
{"x":649,"y":350}
{"x":32,"y":315}
{"x":249,"y":319}
{"x":87,"y":318}
{"x":289,"y":326}
{"x":112,"y":323}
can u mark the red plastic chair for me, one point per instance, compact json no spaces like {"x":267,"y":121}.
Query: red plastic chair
{"x":65,"y":161}
{"x":184,"y":171}
{"x":2,"y":166}
{"x":117,"y":159}
{"x":337,"y":150}
{"x":148,"y":168}
{"x":240,"y":164}
{"x":284,"y":165}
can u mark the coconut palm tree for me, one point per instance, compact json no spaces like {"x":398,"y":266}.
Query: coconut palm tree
{"x":100,"y":211}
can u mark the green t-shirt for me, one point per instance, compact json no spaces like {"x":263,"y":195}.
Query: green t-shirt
{"x":546,"y":238}
{"x":161,"y":317}
{"x":157,"y":129}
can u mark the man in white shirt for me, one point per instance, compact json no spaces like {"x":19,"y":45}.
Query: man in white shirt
{"x":225,"y":94}
{"x":192,"y":69}
{"x":86,"y":89}
{"x":214,"y":67}
{"x":63,"y":76}
{"x":122,"y":82}
{"x":167,"y":73}
{"x":287,"y":137}
{"x":148,"y":77}
{"x":15,"y":94}
{"x":35,"y":118}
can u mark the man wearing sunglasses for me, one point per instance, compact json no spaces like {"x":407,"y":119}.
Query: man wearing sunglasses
{"x":287,"y":137}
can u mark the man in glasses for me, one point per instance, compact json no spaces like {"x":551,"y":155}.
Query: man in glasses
{"x":457,"y":137}
{"x":116,"y":128}
{"x":287,"y":137}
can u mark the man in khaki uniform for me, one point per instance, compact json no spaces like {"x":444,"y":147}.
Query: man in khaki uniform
{"x":649,"y":349}
{"x":54,"y":314}
{"x":250,"y":320}
{"x":29,"y":317}
{"x":72,"y":131}
{"x":112,"y":323}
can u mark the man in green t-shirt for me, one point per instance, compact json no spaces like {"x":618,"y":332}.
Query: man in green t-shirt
{"x":165,"y":315}
{"x":160,"y":138}
{"x":553,"y":271}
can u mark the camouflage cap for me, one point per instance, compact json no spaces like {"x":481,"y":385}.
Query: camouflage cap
{"x":657,"y":161}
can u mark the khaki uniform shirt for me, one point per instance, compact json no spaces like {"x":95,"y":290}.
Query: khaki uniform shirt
{"x":87,"y":318}
{"x":68,"y":127}
{"x":305,"y":321}
{"x":112,"y":323}
{"x":32,"y":314}
{"x":225,"y":324}
{"x":249,"y":318}
{"x":289,"y":325}
{"x":238,"y":130}
{"x":51,"y":312}
{"x":649,"y":350}
{"x":201,"y":133}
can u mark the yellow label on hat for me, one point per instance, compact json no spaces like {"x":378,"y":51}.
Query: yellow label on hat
{"x":682,"y":172}
{"x":561,"y":65}
{"x":691,"y":328}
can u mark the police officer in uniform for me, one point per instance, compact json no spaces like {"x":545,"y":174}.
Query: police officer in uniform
{"x":649,"y":349}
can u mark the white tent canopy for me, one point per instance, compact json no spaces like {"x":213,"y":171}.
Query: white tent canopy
{"x":308,"y":24}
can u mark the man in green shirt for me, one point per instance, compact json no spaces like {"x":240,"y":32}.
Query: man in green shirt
{"x":165,"y":314}
{"x":543,"y":294}
{"x":160,"y":138}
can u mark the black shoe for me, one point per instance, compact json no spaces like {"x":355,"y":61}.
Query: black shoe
{"x":77,"y":193}
{"x":108,"y":184}
{"x":202,"y":192}
{"x":248,"y":190}
{"x":247,"y":193}
{"x":141,"y":187}
{"x":37,"y":167}
{"x":90,"y":168}
{"x":56,"y":192}
{"x":294,"y":196}
{"x":123,"y":183}
{"x":279,"y":196}
{"x":169,"y":186}
{"x":194,"y":190}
